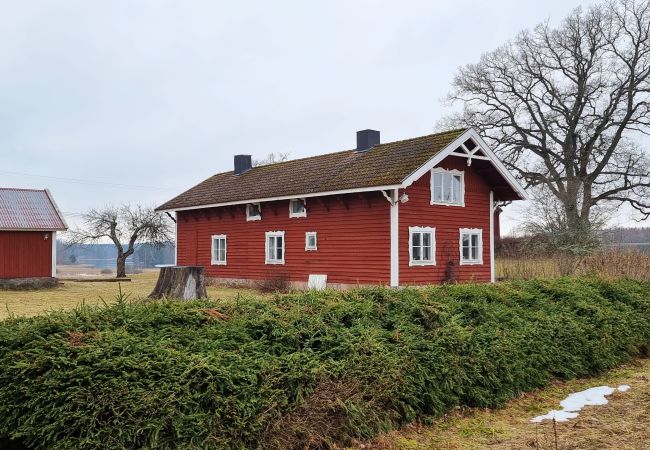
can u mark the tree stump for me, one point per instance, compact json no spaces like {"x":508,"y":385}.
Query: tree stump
{"x":181,"y":282}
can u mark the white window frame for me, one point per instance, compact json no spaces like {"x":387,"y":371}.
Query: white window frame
{"x":274,"y":260}
{"x":432,"y":232}
{"x":309,"y":234}
{"x":250,"y":218}
{"x":451,"y":172}
{"x":471,"y":231}
{"x":300,"y":214}
{"x":216,"y":262}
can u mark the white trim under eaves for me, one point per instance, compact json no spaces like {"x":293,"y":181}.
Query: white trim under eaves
{"x":285,"y":197}
{"x":442,"y":154}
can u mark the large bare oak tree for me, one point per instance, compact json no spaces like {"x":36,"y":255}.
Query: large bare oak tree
{"x":124,"y":226}
{"x":564,"y":107}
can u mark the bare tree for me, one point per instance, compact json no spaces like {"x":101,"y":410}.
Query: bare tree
{"x":124,"y":226}
{"x":562,"y":106}
{"x":271,"y":158}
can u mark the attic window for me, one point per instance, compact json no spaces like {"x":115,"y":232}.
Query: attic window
{"x":297,"y":208}
{"x":447,"y":187}
{"x":253,"y":212}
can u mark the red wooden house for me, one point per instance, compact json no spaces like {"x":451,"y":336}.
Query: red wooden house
{"x":417,"y":211}
{"x":29,"y":220}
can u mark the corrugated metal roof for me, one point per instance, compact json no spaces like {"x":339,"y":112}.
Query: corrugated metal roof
{"x":29,"y":209}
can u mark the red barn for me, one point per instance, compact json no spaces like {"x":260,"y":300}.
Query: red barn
{"x":417,"y":211}
{"x":29,"y":220}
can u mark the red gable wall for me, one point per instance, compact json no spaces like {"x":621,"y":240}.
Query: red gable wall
{"x":447,"y":220}
{"x":353,"y":240}
{"x":25,"y":254}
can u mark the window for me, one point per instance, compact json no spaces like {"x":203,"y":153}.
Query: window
{"x":422,"y":246}
{"x":275,"y":247}
{"x":297,"y":208}
{"x":471,"y":246}
{"x":447,"y":187}
{"x":253,"y":212}
{"x":219,"y":250}
{"x":311,"y":240}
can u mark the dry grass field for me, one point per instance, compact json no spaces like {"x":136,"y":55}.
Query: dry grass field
{"x":614,"y":263}
{"x":621,"y":424}
{"x":73,"y":293}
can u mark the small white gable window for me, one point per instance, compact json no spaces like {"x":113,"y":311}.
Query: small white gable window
{"x":311,"y":240}
{"x":219,"y":250}
{"x":275,"y":247}
{"x":447,"y":187}
{"x":471,"y":246}
{"x":422,"y":246}
{"x":297,"y":208}
{"x":253,"y":212}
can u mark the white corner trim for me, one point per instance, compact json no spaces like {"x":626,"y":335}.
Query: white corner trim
{"x":462,"y":186}
{"x":300,"y":214}
{"x":250,"y":218}
{"x":213,"y":261}
{"x":269,"y":234}
{"x":394,"y":238}
{"x":429,"y":230}
{"x":492,"y":268}
{"x":478,"y":231}
{"x":53,"y":254}
{"x":307,"y":235}
{"x":442,"y":154}
{"x":176,"y":239}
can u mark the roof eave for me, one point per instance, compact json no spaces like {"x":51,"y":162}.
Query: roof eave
{"x":284,"y":197}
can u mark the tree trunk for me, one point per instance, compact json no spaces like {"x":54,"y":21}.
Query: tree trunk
{"x":121,"y":266}
{"x":180,"y":282}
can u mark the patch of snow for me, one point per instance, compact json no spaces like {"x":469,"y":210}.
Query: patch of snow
{"x":578,"y":400}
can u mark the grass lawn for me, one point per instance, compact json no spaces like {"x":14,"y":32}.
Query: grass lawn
{"x":72,"y":293}
{"x":621,"y":424}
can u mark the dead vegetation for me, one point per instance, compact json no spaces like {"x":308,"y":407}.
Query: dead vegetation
{"x":621,"y":424}
{"x":516,"y":262}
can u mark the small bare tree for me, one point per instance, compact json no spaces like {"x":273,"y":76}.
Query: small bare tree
{"x":124,"y":226}
{"x":546,"y":224}
{"x":562,"y":106}
{"x":271,"y":158}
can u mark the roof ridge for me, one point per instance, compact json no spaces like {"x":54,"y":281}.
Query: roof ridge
{"x":441,"y":133}
{"x":21,"y":189}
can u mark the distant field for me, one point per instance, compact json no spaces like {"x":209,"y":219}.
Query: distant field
{"x":71,"y":294}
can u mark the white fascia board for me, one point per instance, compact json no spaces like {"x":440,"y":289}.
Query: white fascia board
{"x":285,"y":197}
{"x":442,"y":154}
{"x":56,"y":208}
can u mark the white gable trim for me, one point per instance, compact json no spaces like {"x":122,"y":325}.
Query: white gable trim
{"x":442,"y":154}
{"x":56,"y":208}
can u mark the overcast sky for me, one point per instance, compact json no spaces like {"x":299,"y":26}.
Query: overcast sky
{"x":147,"y":98}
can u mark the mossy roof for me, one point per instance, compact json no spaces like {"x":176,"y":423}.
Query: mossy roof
{"x":383,"y":165}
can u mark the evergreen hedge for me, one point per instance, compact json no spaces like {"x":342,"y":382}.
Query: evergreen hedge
{"x":307,"y":369}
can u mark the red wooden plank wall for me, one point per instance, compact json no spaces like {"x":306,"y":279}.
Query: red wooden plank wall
{"x":353,"y":240}
{"x":25,"y":254}
{"x":447,"y":220}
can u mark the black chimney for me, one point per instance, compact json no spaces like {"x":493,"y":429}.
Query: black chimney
{"x":242,"y":163}
{"x":367,"y":139}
